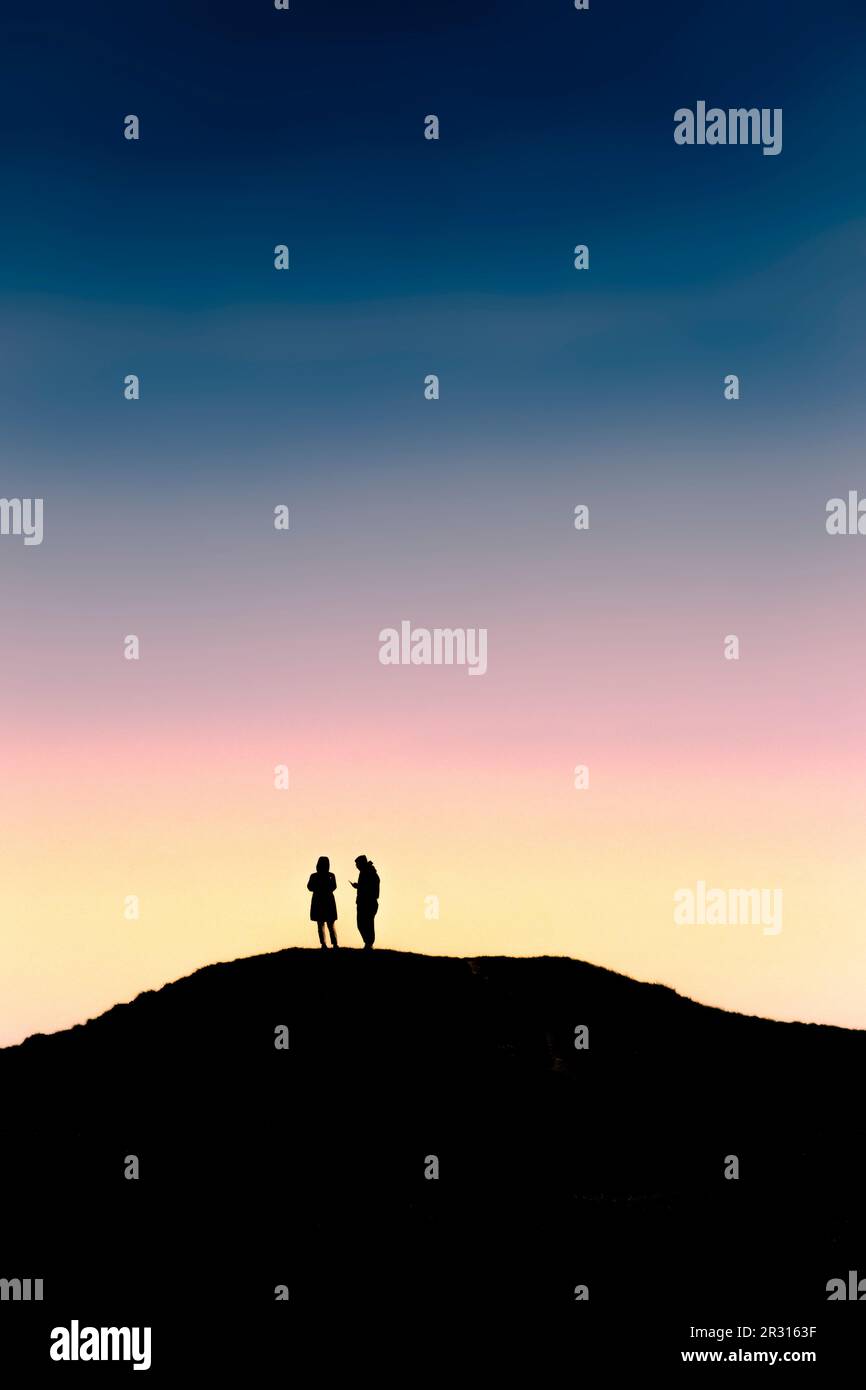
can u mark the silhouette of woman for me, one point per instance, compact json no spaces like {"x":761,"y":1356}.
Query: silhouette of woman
{"x":323,"y":907}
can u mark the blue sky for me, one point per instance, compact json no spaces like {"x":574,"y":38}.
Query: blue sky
{"x":409,"y":256}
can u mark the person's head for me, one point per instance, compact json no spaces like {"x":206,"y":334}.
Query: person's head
{"x":361,"y":861}
{"x":323,"y":864}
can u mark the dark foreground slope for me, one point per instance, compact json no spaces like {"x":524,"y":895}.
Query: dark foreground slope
{"x":306,"y":1167}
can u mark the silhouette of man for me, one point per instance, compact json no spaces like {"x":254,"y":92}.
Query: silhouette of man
{"x":367,"y":900}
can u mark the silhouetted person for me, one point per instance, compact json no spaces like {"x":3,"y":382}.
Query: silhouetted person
{"x":323,"y":906}
{"x":367,"y":900}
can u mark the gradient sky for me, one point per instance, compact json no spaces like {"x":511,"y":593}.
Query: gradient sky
{"x":306,"y":388}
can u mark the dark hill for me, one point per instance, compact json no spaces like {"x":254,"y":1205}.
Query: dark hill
{"x":558,"y":1167}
